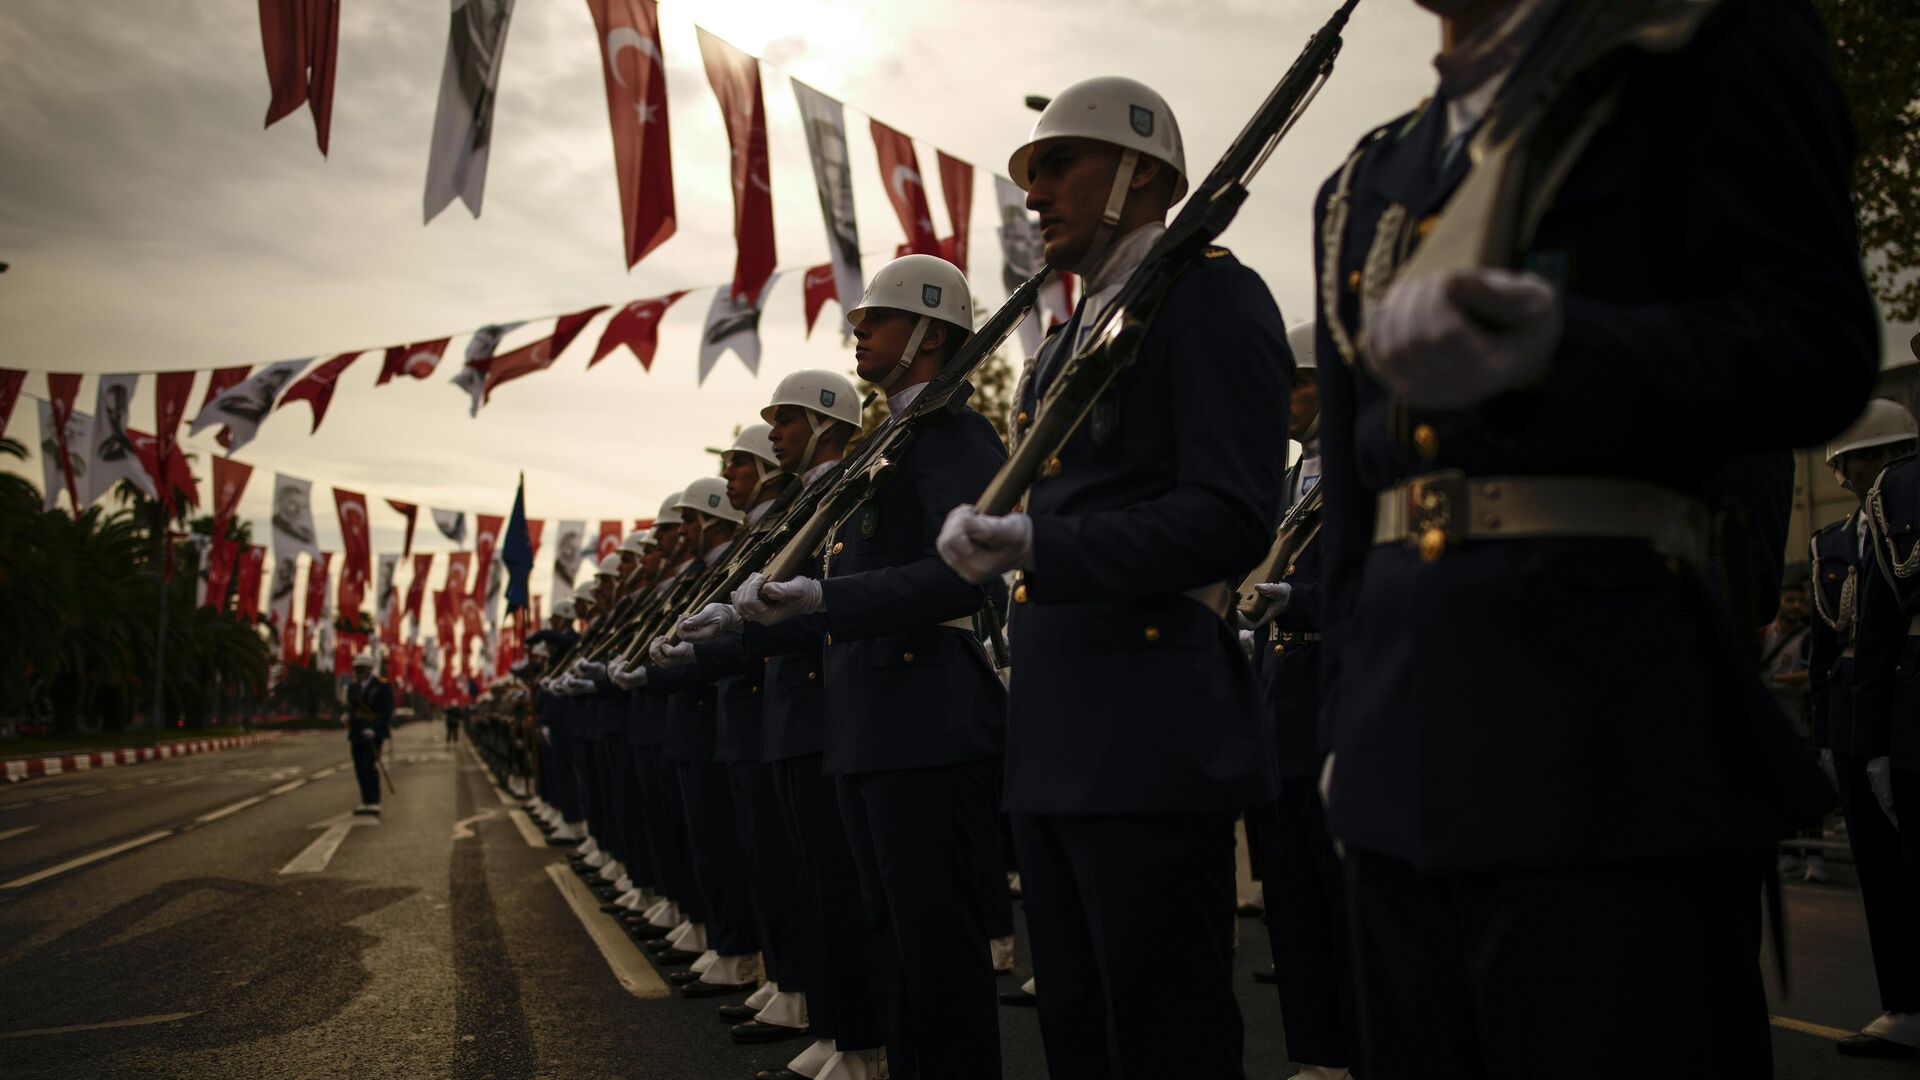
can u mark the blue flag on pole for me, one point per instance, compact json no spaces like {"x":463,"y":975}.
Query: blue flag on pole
{"x":517,"y":552}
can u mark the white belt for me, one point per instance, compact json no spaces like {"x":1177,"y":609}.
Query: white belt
{"x":1429,"y":513}
{"x":964,"y":622}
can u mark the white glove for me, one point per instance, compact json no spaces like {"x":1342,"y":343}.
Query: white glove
{"x":581,"y":686}
{"x":367,"y":734}
{"x":546,"y":735}
{"x":1452,"y":340}
{"x":1880,"y":775}
{"x":626,"y":677}
{"x":979,"y":547}
{"x":664,"y":653}
{"x":589,"y":670}
{"x":710,"y":622}
{"x":768,"y":602}
{"x":1246,"y":643}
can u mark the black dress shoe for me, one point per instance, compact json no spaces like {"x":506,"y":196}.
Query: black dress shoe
{"x":671,"y":957}
{"x":644,"y":930}
{"x":1861,"y":1044}
{"x":1018,"y":997}
{"x":659,"y":944}
{"x":555,"y":841}
{"x":779,"y":1074}
{"x":737,"y":1014}
{"x":611,"y":908}
{"x":753,"y":1032}
{"x":1266,"y":975}
{"x":682,"y":978}
{"x":707,"y":990}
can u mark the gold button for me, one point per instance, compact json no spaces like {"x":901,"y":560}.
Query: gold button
{"x":1426,"y":442}
{"x":1353,"y":281}
{"x":1152,"y":633}
{"x":1432,"y":543}
{"x":1289,"y":572}
{"x":837,"y":548}
{"x":1022,"y":418}
{"x":1278,"y":649}
{"x":812,"y":675}
{"x":1426,"y":225}
{"x":1020,"y":593}
{"x":906,"y":658}
{"x":1052,"y":467}
{"x":756,"y":689}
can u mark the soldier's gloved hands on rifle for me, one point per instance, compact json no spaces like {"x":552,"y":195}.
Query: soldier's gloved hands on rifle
{"x":546,"y":735}
{"x":1880,"y":776}
{"x":979,"y":547}
{"x":1278,"y":595}
{"x":710,"y":622}
{"x":768,"y":602}
{"x":625,"y":677}
{"x":1454,"y":340}
{"x":1246,"y":643}
{"x":587,"y":669}
{"x":577,"y":685}
{"x":366,"y":733}
{"x":665,"y":653}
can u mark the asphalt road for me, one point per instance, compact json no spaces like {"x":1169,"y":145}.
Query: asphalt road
{"x":440,"y":942}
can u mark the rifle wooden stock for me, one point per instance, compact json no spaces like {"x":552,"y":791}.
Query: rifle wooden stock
{"x":1289,"y":541}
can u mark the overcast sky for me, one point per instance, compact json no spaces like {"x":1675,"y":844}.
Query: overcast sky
{"x":152,"y":224}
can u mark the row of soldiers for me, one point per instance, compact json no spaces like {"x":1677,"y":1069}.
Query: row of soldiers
{"x":1485,"y":852}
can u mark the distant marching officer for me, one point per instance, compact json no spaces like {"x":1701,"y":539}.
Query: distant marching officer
{"x":369,"y":726}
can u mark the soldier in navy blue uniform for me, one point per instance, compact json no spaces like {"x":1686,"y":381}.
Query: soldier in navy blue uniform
{"x":915,"y":710}
{"x":1517,"y":466}
{"x":369,"y":726}
{"x":1305,"y":900}
{"x":1867,"y":605}
{"x":1136,"y":732}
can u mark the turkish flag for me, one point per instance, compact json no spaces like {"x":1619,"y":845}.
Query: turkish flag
{"x":176,"y":478}
{"x":315,"y":610}
{"x":417,"y":588}
{"x":637,"y":326}
{"x":356,"y":566}
{"x":900,"y":172}
{"x":417,"y":360}
{"x":457,"y":565}
{"x":490,"y":529}
{"x":538,"y":356}
{"x":443,"y":613}
{"x":534,"y":528}
{"x":411,"y":512}
{"x":220,"y":557}
{"x":317,"y":388}
{"x":609,"y":540}
{"x":219,"y":381}
{"x":247,"y":604}
{"x":818,"y":287}
{"x":735,"y":77}
{"x":10,"y":383}
{"x":301,"y":39}
{"x":956,"y":187}
{"x":171,"y":391}
{"x":61,"y":390}
{"x":636,"y":78}
{"x":229,"y":481}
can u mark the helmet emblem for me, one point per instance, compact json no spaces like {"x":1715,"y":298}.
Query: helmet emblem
{"x":826,"y":398}
{"x":713,"y":500}
{"x":930,"y":295}
{"x":1142,"y":121}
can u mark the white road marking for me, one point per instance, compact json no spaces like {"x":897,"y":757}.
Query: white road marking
{"x":185,"y":780}
{"x":284,"y":788}
{"x":1806,"y":1028}
{"x":84,"y":792}
{"x":55,"y":799}
{"x":138,"y":1021}
{"x":95,"y":856}
{"x":17,"y":805}
{"x":630,"y":969}
{"x":216,"y":815}
{"x":319,"y":853}
{"x":9,"y":833}
{"x":462,"y":830}
{"x":520,"y":821}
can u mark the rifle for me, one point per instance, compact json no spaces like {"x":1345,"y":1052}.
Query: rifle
{"x":1116,"y":338}
{"x":1293,"y":536}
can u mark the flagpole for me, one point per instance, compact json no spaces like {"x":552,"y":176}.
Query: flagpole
{"x":160,"y":638}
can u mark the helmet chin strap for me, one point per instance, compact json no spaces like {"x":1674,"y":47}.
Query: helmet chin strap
{"x":817,"y":425}
{"x":907,"y":355}
{"x":1110,"y":217}
{"x":760,"y":469}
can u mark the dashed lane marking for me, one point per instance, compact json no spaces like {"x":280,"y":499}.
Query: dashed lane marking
{"x":56,"y":798}
{"x":216,"y":815}
{"x":185,"y":780}
{"x":10,"y":833}
{"x":286,"y":787}
{"x":630,"y":969}
{"x":520,"y":821}
{"x":138,"y":1021}
{"x":90,"y":857}
{"x":1806,"y":1028}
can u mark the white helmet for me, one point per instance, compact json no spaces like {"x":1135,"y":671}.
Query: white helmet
{"x":826,"y":396}
{"x":363,"y":661}
{"x":1300,"y":343}
{"x":1883,"y":422}
{"x":563,"y":608}
{"x":669,"y":512}
{"x":922,"y":285}
{"x":636,"y":542}
{"x":755,"y":441}
{"x":583,"y":593}
{"x":609,"y":566}
{"x":708,"y":495}
{"x":1125,"y":113}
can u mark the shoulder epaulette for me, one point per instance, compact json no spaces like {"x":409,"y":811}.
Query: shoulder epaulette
{"x":1215,"y":251}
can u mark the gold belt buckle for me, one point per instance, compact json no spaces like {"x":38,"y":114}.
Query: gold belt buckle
{"x":1436,"y":512}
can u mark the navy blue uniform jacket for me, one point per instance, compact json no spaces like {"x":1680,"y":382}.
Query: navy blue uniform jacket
{"x":903,"y":691}
{"x":1129,"y":697}
{"x":1486,"y":709}
{"x":1289,"y":669}
{"x":370,"y":708}
{"x":1886,"y":696}
{"x":1837,"y":572}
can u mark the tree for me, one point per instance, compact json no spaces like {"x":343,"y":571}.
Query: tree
{"x":1876,"y":52}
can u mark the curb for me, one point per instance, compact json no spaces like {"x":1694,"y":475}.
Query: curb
{"x":20,"y":769}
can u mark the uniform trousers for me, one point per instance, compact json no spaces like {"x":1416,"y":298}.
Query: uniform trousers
{"x":915,"y":836}
{"x":1605,"y":971}
{"x":366,"y":768}
{"x":837,"y":943}
{"x":616,"y":764}
{"x":559,"y":765}
{"x":719,"y":863}
{"x":1892,"y":905}
{"x":1306,"y":923}
{"x":1906,"y":803}
{"x":773,"y":872}
{"x":996,"y":901}
{"x":580,"y":759}
{"x":681,"y":885}
{"x":1131,"y":921}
